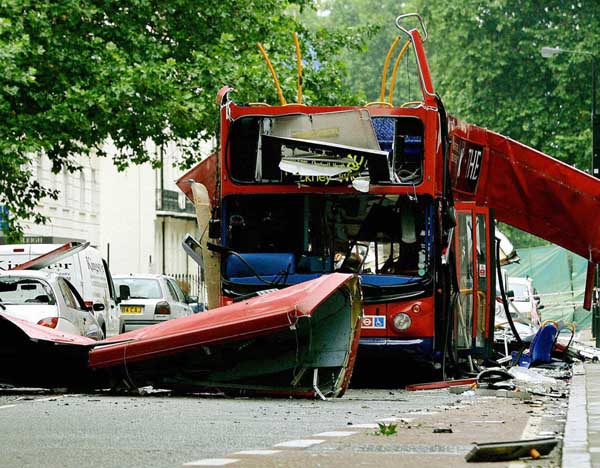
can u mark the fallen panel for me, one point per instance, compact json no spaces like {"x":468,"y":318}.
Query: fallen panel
{"x":32,"y":355}
{"x":440,"y":384}
{"x":205,"y":172}
{"x":300,"y":341}
{"x":64,"y":251}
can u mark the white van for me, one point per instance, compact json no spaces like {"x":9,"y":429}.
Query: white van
{"x":86,"y":270}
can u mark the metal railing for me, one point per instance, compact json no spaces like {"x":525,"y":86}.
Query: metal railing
{"x":191,"y":285}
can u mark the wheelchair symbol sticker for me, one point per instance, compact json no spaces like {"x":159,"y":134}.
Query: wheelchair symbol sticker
{"x":373,"y":321}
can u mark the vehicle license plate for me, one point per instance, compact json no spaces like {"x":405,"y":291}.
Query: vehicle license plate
{"x":131,"y":309}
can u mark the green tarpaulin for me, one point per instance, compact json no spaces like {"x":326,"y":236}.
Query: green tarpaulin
{"x":559,"y":277}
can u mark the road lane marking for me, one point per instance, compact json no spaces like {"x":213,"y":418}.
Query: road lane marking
{"x":366,"y":426}
{"x":7,"y":406}
{"x":300,"y":443}
{"x":257,"y":452}
{"x":213,"y":462}
{"x":335,"y":434}
{"x":405,"y":420}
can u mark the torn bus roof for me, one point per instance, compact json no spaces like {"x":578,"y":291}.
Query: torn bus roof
{"x":39,"y":333}
{"x":33,"y":355}
{"x":300,"y":341}
{"x":43,"y":261}
{"x":526,"y":188}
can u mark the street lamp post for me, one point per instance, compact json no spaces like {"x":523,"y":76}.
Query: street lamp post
{"x":548,"y":52}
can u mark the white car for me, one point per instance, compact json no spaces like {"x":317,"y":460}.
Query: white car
{"x":85,"y":269}
{"x":524,"y":299}
{"x":150,"y":299}
{"x":47,"y":299}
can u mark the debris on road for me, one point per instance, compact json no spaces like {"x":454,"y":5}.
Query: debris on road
{"x":442,"y":430}
{"x":511,"y":450}
{"x":441,"y":384}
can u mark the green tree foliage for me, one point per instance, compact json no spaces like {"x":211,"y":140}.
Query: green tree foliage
{"x":365,"y":64}
{"x":486,"y":64}
{"x":76,"y":72}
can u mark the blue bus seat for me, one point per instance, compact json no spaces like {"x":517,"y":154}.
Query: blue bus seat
{"x":387,"y":280}
{"x":542,"y":344}
{"x":265,"y":264}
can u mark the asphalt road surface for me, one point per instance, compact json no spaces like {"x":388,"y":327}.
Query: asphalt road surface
{"x":64,"y":431}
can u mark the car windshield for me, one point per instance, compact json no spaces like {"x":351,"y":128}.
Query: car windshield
{"x":25,"y":291}
{"x":521,"y":291}
{"x":140,"y":288}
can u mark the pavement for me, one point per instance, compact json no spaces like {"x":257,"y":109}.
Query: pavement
{"x":581,"y":445}
{"x":433,"y":428}
{"x":437,"y":438}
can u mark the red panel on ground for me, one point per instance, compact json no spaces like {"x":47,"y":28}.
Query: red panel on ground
{"x":245,"y":319}
{"x":38,"y":332}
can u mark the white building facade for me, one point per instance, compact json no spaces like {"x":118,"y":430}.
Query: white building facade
{"x":136,"y":218}
{"x":75,"y":215}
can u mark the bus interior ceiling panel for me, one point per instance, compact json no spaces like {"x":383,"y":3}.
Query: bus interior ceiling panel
{"x":389,"y":150}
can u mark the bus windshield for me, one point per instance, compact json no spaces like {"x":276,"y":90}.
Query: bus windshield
{"x":291,"y":238}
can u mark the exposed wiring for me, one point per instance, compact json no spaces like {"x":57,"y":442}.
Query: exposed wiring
{"x":448,"y":349}
{"x":504,"y":298}
{"x":571,"y":326}
{"x":222,"y":249}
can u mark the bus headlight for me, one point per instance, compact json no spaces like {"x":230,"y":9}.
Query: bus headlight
{"x":402,"y":321}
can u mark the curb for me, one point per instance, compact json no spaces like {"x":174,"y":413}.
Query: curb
{"x":575,"y":451}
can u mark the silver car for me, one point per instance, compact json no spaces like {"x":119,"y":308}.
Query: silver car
{"x":49,"y":300}
{"x":150,"y":299}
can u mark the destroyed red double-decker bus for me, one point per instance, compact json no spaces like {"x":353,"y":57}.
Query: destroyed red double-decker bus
{"x":404,"y":196}
{"x":299,"y":191}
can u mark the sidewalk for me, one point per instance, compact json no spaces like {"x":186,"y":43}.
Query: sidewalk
{"x":581,"y":447}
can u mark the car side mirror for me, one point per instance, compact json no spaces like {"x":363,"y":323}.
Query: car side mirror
{"x":124,"y":292}
{"x":510,"y":294}
{"x":540,"y":307}
{"x":191,"y":299}
{"x":98,"y":307}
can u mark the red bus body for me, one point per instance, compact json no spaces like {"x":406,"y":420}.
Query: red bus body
{"x":272,"y":223}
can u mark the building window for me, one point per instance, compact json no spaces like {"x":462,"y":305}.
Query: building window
{"x":93,"y":186}
{"x":65,"y":188}
{"x":40,"y":170}
{"x":82,"y":190}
